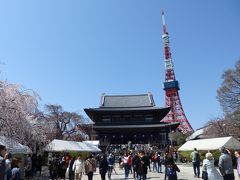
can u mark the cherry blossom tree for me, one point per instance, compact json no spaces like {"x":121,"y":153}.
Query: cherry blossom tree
{"x":18,"y":108}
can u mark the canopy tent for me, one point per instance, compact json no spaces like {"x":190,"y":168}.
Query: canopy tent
{"x":211,"y":144}
{"x":14,"y":147}
{"x":196,"y":134}
{"x":95,"y":143}
{"x":61,"y":145}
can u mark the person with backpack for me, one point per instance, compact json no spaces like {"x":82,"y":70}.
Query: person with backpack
{"x":196,"y":162}
{"x":90,"y":166}
{"x":171,"y":168}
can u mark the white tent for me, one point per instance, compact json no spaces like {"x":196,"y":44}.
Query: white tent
{"x":196,"y":134}
{"x":95,"y":143}
{"x":14,"y":147}
{"x":211,"y":144}
{"x":61,"y":145}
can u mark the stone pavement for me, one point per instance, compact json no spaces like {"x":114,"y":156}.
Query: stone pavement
{"x":185,"y":174}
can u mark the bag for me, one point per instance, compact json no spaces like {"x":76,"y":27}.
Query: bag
{"x":197,"y":157}
{"x":171,"y":172}
{"x":204,"y":175}
{"x":121,"y":165}
{"x":67,"y":173}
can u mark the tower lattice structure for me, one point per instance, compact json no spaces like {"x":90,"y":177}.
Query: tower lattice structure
{"x":171,"y":87}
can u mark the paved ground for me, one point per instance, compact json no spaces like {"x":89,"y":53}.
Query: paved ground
{"x":185,"y":174}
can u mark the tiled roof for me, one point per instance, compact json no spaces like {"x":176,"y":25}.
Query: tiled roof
{"x":127,"y":101}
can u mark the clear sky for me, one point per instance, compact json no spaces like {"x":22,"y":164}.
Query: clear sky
{"x":70,"y":52}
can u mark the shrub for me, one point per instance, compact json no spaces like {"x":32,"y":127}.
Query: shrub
{"x":216,"y":155}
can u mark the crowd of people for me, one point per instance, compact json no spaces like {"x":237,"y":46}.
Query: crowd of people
{"x":209,"y":171}
{"x":134,"y":164}
{"x":12,"y":168}
{"x":72,"y":168}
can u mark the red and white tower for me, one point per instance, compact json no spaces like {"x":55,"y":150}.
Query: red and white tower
{"x":171,"y":87}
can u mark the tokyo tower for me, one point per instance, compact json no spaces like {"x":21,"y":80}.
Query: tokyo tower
{"x":171,"y":87}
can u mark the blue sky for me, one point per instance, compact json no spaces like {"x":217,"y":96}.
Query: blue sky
{"x":70,"y":52}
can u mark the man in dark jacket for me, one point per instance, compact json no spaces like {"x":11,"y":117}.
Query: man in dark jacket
{"x":225,"y":165}
{"x":103,"y":167}
{"x":142,"y":165}
{"x":135,"y":161}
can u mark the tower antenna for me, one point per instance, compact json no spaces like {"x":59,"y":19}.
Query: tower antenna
{"x":164,"y":23}
{"x":171,"y":87}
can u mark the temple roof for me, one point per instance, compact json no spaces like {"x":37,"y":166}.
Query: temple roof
{"x":91,"y":111}
{"x":127,"y":105}
{"x":127,"y":101}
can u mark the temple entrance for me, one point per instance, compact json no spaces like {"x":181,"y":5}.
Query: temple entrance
{"x":130,"y":118}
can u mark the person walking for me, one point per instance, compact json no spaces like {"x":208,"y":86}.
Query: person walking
{"x":142,"y":166}
{"x":237,"y":154}
{"x":208,"y":166}
{"x":54,"y":168}
{"x":196,"y":162}
{"x":16,"y":173}
{"x":34,"y":164}
{"x":103,"y":167}
{"x":111,"y":162}
{"x":135,"y":161}
{"x":39,"y":164}
{"x":171,"y":168}
{"x":28,"y":167}
{"x":225,"y":164}
{"x":159,"y":162}
{"x":90,"y":167}
{"x":78,"y":168}
{"x":125,"y":164}
{"x":154,"y":161}
{"x":62,"y":167}
{"x":71,"y":170}
{"x":130,"y":163}
{"x":8,"y":161}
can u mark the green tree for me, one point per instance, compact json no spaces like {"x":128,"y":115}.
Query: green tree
{"x":64,"y":124}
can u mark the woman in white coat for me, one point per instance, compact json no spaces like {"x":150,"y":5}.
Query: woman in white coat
{"x":208,"y":165}
{"x":78,"y":168}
